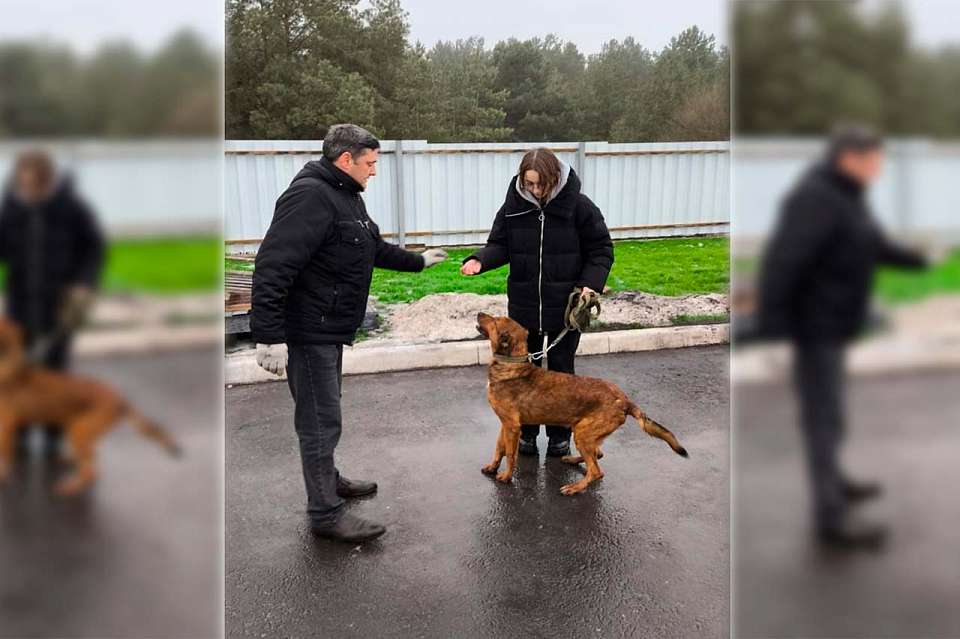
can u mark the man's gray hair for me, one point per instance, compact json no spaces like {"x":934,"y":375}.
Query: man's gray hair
{"x":852,"y":136}
{"x":348,"y":138}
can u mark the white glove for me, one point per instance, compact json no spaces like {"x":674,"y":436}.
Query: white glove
{"x":432,"y":257}
{"x":272,"y":358}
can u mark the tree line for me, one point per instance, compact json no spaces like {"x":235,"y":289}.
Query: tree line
{"x":801,"y":67}
{"x":293,"y":67}
{"x":117,"y":91}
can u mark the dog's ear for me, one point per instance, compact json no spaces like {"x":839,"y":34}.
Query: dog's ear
{"x":504,"y":342}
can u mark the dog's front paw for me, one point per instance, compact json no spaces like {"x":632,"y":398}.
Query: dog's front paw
{"x":504,"y":477}
{"x":490,"y":469}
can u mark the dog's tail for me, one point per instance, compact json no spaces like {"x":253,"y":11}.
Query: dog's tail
{"x":654,"y":429}
{"x":151,"y":430}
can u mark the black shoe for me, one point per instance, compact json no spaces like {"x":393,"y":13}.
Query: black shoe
{"x":348,"y":488}
{"x":528,"y":446}
{"x":855,"y":491}
{"x":849,"y":536}
{"x":350,"y":528}
{"x":558,"y":448}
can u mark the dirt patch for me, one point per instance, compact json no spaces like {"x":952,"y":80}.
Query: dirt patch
{"x":450,"y":317}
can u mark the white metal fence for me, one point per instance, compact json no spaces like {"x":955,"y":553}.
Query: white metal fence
{"x":918,"y":193}
{"x":138,"y":186}
{"x":447,"y":194}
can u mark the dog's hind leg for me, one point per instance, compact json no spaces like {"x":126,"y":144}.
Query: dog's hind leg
{"x":588,"y":435}
{"x":498,"y":454}
{"x":8,"y":432}
{"x":578,"y":459}
{"x":82,"y":435}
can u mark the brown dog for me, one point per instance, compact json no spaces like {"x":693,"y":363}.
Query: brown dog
{"x":84,"y":409}
{"x":521,"y":393}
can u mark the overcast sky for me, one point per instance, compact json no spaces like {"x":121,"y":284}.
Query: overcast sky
{"x":587,"y":24}
{"x":87,"y":23}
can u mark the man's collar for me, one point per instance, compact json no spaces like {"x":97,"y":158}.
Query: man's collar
{"x":342,"y":178}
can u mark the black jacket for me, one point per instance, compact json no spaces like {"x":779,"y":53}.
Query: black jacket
{"x":576,"y":251}
{"x":818,"y":267}
{"x":312,"y":273}
{"x":47,"y":249}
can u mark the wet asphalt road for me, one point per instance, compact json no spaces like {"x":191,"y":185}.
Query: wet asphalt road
{"x":139,"y":556}
{"x":903,"y":431}
{"x":642,"y":553}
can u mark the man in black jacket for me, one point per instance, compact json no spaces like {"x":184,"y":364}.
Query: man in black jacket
{"x":53,"y":250}
{"x":310,"y":285}
{"x":815,"y":285}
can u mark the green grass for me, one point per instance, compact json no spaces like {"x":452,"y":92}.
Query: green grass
{"x":664,"y":267}
{"x":161,"y":266}
{"x":164,"y":265}
{"x":894,"y":285}
{"x":898,"y":286}
{"x":685,"y":320}
{"x":680,"y":266}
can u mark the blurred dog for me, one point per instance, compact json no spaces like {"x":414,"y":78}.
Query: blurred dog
{"x":521,"y":393}
{"x":85,"y":410}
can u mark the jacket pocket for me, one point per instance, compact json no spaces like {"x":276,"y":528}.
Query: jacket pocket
{"x":352,"y":238}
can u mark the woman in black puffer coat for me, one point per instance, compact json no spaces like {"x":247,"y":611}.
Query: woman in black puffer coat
{"x":554,"y":239}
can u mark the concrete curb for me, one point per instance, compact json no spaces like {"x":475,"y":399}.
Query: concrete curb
{"x":879,"y":356}
{"x":241,"y":368}
{"x":147,"y":340}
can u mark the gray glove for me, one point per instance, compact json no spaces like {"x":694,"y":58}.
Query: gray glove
{"x":76,"y":305}
{"x":272,"y":358}
{"x":433,"y":256}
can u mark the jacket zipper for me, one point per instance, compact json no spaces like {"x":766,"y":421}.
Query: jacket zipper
{"x":540,"y":274}
{"x":542,"y":218}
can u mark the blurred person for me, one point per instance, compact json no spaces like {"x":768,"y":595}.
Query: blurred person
{"x":310,"y":284}
{"x":53,"y":251}
{"x":555,"y":239}
{"x":815,"y":284}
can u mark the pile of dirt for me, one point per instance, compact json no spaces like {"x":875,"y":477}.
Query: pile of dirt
{"x":453,"y":316}
{"x":445,"y":317}
{"x":631,"y":308}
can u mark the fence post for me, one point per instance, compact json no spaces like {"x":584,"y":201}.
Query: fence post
{"x":398,"y":195}
{"x":903,"y":157}
{"x":581,"y":160}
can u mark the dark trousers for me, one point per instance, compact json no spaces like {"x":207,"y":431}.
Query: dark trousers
{"x":315,"y":376}
{"x":560,"y":359}
{"x":819,"y":378}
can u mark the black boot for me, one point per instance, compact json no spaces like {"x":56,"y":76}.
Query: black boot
{"x":851,"y":536}
{"x":348,"y":488}
{"x":856,"y":491}
{"x":558,"y":447}
{"x":528,"y":446}
{"x":350,"y":528}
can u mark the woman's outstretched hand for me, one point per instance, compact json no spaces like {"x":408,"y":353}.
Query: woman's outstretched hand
{"x":470,"y":267}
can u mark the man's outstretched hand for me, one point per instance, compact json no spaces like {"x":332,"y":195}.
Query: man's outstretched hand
{"x":470,"y":267}
{"x":432,"y":257}
{"x":272,"y":358}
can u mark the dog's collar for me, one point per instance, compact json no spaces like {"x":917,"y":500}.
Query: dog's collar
{"x":511,"y":359}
